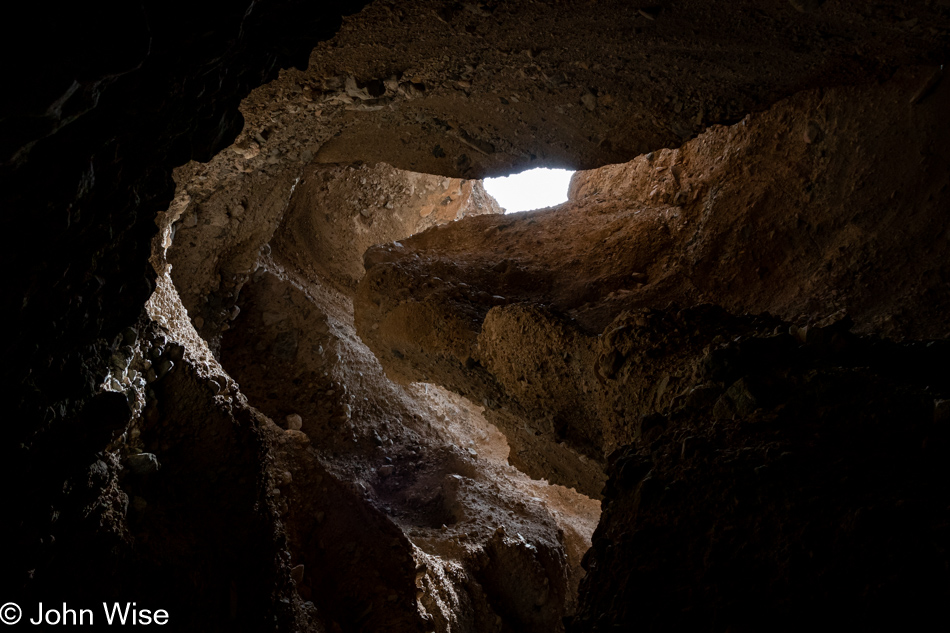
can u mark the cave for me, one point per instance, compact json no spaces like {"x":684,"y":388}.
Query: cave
{"x":279,"y":360}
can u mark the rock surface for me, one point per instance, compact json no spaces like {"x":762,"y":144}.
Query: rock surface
{"x":110,"y":108}
{"x":546,"y":316}
{"x":826,"y":498}
{"x":411,"y":478}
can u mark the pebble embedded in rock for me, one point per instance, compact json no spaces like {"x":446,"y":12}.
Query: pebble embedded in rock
{"x":386,"y":470}
{"x":589,"y":101}
{"x":294,"y":422}
{"x":163,"y":368}
{"x":142,"y":464}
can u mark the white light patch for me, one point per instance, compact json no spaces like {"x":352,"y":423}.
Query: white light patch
{"x":532,"y":189}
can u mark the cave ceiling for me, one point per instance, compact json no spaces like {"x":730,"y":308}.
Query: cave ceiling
{"x":185,"y":153}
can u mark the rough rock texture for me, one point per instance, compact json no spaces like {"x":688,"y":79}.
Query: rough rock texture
{"x":404,"y":494}
{"x":490,"y":87}
{"x":416,"y":483}
{"x":132,"y":463}
{"x":802,"y":481}
{"x":328,"y":216}
{"x":535,"y":314}
{"x":99,"y":105}
{"x":339,"y":212}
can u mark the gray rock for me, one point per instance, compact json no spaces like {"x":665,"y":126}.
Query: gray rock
{"x":294,"y":422}
{"x":285,"y":347}
{"x":589,"y":101}
{"x":176,"y":352}
{"x":738,"y":400}
{"x":354,"y":91}
{"x":164,"y":367}
{"x":142,"y":464}
{"x":130,"y":336}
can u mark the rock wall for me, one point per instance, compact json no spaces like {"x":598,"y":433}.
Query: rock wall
{"x":105,"y":102}
{"x":759,"y":467}
{"x":488,"y":88}
{"x":402,"y":491}
{"x":797,"y":481}
{"x":101,"y":103}
{"x":793,"y":211}
{"x":327,"y":216}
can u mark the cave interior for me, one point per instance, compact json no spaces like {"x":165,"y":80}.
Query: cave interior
{"x":280,"y":362}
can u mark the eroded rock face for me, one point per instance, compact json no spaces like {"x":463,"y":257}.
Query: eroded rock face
{"x":539,"y":315}
{"x":340,"y":211}
{"x":136,"y":465}
{"x":807,"y":482}
{"x":100,"y":104}
{"x":328,"y":216}
{"x":406,"y":494}
{"x":477,"y":89}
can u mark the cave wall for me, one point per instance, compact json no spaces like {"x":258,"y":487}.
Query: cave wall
{"x":104,"y":103}
{"x":428,"y":87}
{"x":488,"y":88}
{"x":830,"y":202}
{"x":702,"y":328}
{"x":101,"y":103}
{"x":410,"y":477}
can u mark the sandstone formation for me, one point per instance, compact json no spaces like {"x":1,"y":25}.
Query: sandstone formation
{"x":278,"y":362}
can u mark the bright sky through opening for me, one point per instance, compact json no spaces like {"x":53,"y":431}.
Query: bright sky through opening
{"x":532,"y":189}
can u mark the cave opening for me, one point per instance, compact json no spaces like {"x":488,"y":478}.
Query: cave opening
{"x":708,"y":391}
{"x":529,"y":190}
{"x":459,"y":376}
